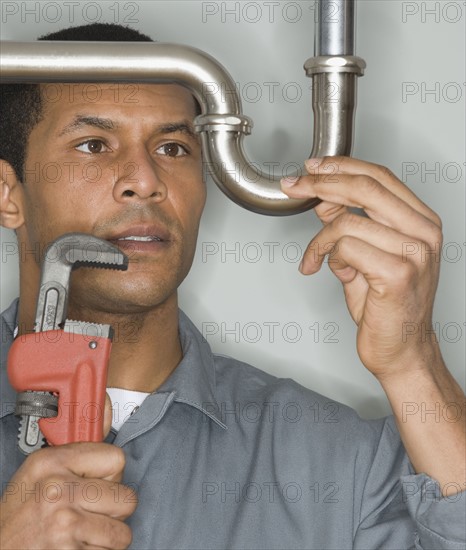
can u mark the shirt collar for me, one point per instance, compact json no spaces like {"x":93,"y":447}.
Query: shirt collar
{"x":193,"y":380}
{"x":7,"y":326}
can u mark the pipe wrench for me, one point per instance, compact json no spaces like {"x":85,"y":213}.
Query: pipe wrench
{"x":60,"y":370}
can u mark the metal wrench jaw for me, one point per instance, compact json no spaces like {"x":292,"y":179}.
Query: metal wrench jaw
{"x":31,"y":406}
{"x":66,"y":253}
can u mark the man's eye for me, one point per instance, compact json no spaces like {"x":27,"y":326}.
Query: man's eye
{"x":92,"y":146}
{"x":172,"y":150}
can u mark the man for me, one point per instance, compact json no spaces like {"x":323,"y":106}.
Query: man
{"x":190,"y":468}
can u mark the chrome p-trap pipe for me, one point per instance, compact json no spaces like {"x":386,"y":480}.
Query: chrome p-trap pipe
{"x":222,"y":124}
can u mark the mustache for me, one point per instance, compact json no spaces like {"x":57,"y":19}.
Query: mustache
{"x":136,"y":215}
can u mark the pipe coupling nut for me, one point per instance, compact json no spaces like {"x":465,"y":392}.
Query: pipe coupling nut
{"x":228,"y":123}
{"x":335,"y":64}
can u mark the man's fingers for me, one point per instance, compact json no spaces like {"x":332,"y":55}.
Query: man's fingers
{"x":364,"y":192}
{"x":92,"y":530}
{"x":90,"y":460}
{"x":376,"y":265}
{"x":355,"y":288}
{"x":380,"y":236}
{"x":83,"y":504}
{"x":328,"y":211}
{"x":113,"y":534}
{"x":100,"y":460}
{"x":325,"y":210}
{"x":330,"y":166}
{"x":342,"y":182}
{"x":97,"y":496}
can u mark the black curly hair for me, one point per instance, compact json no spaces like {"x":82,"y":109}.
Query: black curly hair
{"x":21,"y":106}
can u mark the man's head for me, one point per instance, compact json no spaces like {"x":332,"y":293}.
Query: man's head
{"x":120,"y":161}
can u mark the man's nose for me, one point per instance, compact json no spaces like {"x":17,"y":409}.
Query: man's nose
{"x":139,"y":179}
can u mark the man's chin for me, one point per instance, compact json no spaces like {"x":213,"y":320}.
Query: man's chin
{"x":119,"y":300}
{"x":124,"y":304}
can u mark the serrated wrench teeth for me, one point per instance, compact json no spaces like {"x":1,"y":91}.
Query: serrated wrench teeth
{"x":32,"y":406}
{"x":66,"y":253}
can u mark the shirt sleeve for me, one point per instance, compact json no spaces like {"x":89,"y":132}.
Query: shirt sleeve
{"x":440,"y":521}
{"x":401,"y":510}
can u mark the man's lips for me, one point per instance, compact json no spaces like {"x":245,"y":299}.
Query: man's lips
{"x":138,"y":238}
{"x":141,"y":233}
{"x":141,"y":238}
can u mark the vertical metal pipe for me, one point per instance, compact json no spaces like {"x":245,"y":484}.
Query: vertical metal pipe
{"x":335,"y":27}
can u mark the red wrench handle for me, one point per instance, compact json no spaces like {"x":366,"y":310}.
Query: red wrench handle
{"x":71,"y":365}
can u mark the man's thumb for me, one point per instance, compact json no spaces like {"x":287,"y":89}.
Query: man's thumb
{"x":108,"y":413}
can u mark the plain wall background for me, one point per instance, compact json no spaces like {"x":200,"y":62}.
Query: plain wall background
{"x":244,"y":291}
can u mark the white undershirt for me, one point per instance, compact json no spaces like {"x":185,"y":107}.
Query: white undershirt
{"x":124,"y":404}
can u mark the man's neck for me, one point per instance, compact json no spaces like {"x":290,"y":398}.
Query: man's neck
{"x":146,"y":350}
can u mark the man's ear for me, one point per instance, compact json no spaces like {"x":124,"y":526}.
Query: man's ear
{"x":11,"y":197}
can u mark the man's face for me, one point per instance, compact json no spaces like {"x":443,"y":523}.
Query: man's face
{"x":124,"y":164}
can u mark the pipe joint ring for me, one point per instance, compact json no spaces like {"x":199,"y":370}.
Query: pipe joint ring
{"x":335,"y":64}
{"x":228,"y":123}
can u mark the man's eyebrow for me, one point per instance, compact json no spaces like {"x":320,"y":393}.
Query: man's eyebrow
{"x":86,"y":120}
{"x":80,"y":121}
{"x":183,"y":126}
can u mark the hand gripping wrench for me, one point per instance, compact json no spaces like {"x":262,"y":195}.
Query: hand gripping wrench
{"x":60,"y":370}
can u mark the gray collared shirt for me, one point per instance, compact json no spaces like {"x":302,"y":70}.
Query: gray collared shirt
{"x":224,"y":455}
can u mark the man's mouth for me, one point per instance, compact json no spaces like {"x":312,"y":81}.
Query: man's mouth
{"x":142,"y":239}
{"x":147,"y":239}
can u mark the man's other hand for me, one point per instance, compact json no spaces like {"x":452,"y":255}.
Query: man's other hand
{"x":68,"y":497}
{"x":388,"y":261}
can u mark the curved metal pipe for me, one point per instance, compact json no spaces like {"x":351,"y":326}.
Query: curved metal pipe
{"x":334,"y":98}
{"x":221,"y":124}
